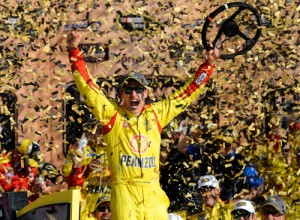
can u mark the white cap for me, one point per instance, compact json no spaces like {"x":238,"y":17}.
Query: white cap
{"x":244,"y":204}
{"x":173,"y":216}
{"x":208,"y":180}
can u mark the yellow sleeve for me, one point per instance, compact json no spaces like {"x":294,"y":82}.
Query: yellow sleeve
{"x":102,"y":107}
{"x":176,"y":103}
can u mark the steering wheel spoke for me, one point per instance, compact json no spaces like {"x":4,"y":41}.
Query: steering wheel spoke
{"x":217,"y":38}
{"x":240,"y":9}
{"x":230,"y":27}
{"x":246,"y":38}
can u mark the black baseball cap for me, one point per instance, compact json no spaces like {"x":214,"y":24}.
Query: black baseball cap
{"x":140,"y":78}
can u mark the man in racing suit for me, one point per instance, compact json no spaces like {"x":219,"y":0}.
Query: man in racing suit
{"x":132,"y":133}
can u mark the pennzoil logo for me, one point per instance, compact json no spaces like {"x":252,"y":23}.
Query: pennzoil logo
{"x":139,"y":144}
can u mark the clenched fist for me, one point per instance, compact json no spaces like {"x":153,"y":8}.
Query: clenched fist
{"x":73,"y":39}
{"x":213,"y":55}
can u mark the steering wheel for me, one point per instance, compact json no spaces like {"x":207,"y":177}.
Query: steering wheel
{"x":230,"y":28}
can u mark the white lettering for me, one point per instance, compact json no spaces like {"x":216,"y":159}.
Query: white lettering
{"x":201,"y":78}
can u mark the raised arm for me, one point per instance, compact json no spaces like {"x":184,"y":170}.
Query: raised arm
{"x":177,"y":102}
{"x":101,"y":107}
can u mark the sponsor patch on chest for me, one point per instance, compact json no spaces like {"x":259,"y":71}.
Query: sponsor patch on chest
{"x":139,"y":143}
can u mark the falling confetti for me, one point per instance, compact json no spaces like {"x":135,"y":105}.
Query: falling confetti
{"x":247,"y":92}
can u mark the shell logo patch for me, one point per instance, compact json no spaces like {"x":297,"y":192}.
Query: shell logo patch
{"x":139,"y":143}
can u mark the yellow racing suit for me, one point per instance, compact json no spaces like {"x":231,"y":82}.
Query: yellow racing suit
{"x":133,"y":142}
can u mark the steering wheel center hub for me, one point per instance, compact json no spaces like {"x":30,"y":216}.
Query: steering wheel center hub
{"x":230,"y":28}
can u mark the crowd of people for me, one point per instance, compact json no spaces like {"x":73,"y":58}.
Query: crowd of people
{"x":241,"y":192}
{"x":233,"y":170}
{"x":86,"y":168}
{"x":139,"y":162}
{"x":23,"y":169}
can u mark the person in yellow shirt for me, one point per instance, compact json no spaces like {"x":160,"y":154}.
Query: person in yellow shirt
{"x":213,"y":208}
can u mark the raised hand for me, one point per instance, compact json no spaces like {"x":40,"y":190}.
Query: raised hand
{"x":213,"y":55}
{"x":73,"y":39}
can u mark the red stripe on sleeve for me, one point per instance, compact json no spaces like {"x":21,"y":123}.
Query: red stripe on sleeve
{"x":158,"y":123}
{"x":107,"y":128}
{"x":79,"y":64}
{"x":201,"y":77}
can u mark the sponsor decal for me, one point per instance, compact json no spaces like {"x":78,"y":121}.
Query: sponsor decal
{"x":126,"y":124}
{"x":140,"y":162}
{"x":136,"y":22}
{"x":205,"y":180}
{"x":83,"y":26}
{"x":195,"y":25}
{"x":98,"y":189}
{"x":132,"y":22}
{"x":139,"y":144}
{"x":133,"y":60}
{"x":95,"y":52}
{"x":147,"y":124}
{"x":241,"y":204}
{"x":201,"y":78}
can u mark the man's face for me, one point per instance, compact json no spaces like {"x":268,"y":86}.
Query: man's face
{"x":253,"y":193}
{"x":103,"y":211}
{"x":268,"y":212}
{"x":134,"y":95}
{"x":209,"y":195}
{"x":176,"y":135}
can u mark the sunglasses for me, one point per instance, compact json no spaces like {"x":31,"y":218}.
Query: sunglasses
{"x":239,"y":213}
{"x":286,"y":150}
{"x":206,"y":190}
{"x":103,"y":206}
{"x":272,"y":212}
{"x":138,"y":90}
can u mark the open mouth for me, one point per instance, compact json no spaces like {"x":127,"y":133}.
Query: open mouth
{"x":134,"y":103}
